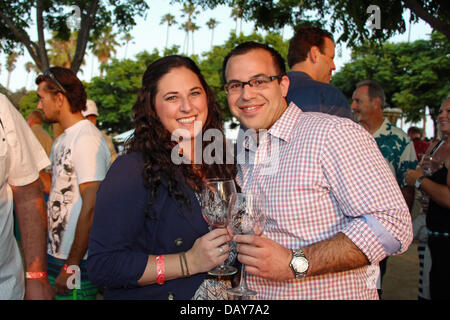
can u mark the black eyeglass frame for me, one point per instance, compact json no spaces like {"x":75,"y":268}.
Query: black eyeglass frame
{"x":48,"y":74}
{"x":243,"y":83}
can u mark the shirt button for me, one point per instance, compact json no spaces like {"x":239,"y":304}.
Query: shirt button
{"x":178,"y":242}
{"x":170,"y":296}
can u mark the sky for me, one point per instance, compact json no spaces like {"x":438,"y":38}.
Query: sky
{"x":149,"y":34}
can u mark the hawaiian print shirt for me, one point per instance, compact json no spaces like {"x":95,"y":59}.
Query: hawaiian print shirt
{"x":397,"y":148}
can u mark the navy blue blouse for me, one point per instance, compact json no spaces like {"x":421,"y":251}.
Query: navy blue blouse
{"x":123,"y":235}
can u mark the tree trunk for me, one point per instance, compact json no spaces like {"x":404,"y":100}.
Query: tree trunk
{"x":167,"y":35}
{"x":8,"y":80}
{"x":435,"y":23}
{"x":87,"y":20}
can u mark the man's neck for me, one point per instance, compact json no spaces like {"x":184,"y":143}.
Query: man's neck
{"x":373,"y":125}
{"x":303,"y":67}
{"x":68,"y":119}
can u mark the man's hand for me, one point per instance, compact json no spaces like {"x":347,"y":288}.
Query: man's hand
{"x":264,"y":257}
{"x":268,"y":259}
{"x":61,"y":282}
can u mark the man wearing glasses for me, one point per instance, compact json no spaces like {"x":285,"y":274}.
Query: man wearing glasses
{"x":334,"y":209}
{"x":80,"y":159}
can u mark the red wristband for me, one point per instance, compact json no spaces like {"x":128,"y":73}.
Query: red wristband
{"x":36,"y":275}
{"x":65,"y":269}
{"x":160,"y":272}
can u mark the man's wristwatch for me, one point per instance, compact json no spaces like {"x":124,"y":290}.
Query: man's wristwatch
{"x":419,"y":182}
{"x":299,"y":264}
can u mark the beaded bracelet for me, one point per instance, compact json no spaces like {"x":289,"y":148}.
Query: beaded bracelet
{"x":160,"y":270}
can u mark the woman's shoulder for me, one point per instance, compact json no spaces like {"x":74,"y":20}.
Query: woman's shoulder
{"x":128,"y":159}
{"x":126,"y":166}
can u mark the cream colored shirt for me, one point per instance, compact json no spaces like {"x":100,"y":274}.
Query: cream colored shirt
{"x":21,"y":159}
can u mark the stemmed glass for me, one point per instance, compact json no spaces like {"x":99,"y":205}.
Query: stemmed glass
{"x":426,"y":164}
{"x":247,"y":216}
{"x":216,"y":199}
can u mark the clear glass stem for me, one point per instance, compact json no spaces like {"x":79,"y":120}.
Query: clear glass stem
{"x":243,"y":280}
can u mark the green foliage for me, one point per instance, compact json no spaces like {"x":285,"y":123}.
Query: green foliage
{"x":18,"y":16}
{"x":116,"y":92}
{"x":28,"y":103}
{"x":349,"y":18}
{"x":413,"y":75}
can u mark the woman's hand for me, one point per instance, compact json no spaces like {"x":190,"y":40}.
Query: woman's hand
{"x":412,"y":175}
{"x":208,"y":251}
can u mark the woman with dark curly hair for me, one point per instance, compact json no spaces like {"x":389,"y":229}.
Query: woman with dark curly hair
{"x":149,"y":239}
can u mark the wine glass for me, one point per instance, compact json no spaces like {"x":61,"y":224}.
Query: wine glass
{"x":215,"y":201}
{"x":247,"y":216}
{"x":426,"y":164}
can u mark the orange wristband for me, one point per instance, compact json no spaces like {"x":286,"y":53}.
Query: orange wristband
{"x":160,"y":270}
{"x":35,"y":275}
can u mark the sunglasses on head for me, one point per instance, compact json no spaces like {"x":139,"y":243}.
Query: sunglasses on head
{"x":51,"y":76}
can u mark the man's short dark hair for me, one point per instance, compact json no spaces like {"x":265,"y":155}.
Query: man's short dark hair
{"x":375,"y":90}
{"x":303,"y":40}
{"x":74,"y":89}
{"x":414,"y":130}
{"x":246,"y":47}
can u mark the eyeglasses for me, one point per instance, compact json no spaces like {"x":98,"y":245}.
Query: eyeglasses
{"x":51,"y":76}
{"x":259,"y":82}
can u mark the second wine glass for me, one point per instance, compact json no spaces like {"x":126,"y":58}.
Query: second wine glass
{"x":216,"y":200}
{"x":247,"y":216}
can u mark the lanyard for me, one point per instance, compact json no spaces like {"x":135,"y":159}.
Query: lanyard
{"x":436,"y":147}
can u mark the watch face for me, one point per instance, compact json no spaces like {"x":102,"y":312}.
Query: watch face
{"x":417,"y":183}
{"x":300,"y":264}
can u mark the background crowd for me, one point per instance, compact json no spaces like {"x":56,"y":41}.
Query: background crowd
{"x":341,"y":200}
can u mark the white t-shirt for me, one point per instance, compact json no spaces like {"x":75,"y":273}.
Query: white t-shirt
{"x":78,"y":155}
{"x":21,"y":159}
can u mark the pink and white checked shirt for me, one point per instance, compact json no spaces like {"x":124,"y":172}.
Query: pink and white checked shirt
{"x":323,"y":175}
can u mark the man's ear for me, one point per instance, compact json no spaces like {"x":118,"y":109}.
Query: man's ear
{"x":60,"y":98}
{"x":377,"y":102}
{"x":284,"y":84}
{"x":314,"y":54}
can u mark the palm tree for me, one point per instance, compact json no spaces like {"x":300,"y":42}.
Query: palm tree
{"x":194,"y":27}
{"x":104,"y":47}
{"x":11,"y":60}
{"x":212,"y":24}
{"x":62,"y":51}
{"x":170,"y":20}
{"x":30,"y":67}
{"x":127,"y":37}
{"x":236,"y":14}
{"x":186,"y":27}
{"x":189,"y":12}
